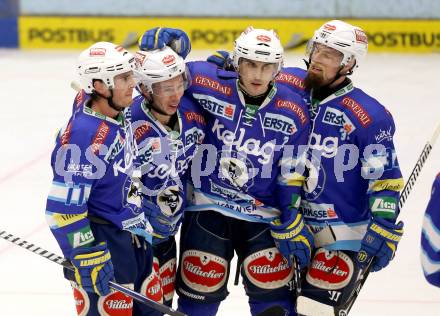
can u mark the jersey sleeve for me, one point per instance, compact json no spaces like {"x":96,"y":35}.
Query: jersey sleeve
{"x":73,"y":181}
{"x":430,"y":241}
{"x":291,"y":171}
{"x":379,"y":165}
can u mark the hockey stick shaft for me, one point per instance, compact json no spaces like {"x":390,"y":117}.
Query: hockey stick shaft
{"x":403,"y":198}
{"x":65,"y":263}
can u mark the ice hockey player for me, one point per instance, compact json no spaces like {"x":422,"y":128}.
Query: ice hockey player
{"x":431,"y":236}
{"x":353,"y":204}
{"x":168,"y":128}
{"x":246,"y":194}
{"x":94,"y":206}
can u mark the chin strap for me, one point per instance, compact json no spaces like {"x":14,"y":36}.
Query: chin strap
{"x":110,"y":101}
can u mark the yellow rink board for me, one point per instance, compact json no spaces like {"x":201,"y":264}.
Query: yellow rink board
{"x":412,"y":36}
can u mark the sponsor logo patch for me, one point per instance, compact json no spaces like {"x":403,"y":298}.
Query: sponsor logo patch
{"x":330,"y":270}
{"x":65,"y":136}
{"x":263,"y":38}
{"x":152,"y":287}
{"x":279,"y":123}
{"x":202,"y":271}
{"x":385,"y":204}
{"x":168,"y":277}
{"x":267,"y":269}
{"x":318,"y":211}
{"x":80,"y":238}
{"x":357,"y":110}
{"x":97,"y":52}
{"x":115,"y":304}
{"x":212,"y":84}
{"x":141,"y":130}
{"x":216,"y":106}
{"x":295,"y":108}
{"x":82,"y":302}
{"x":383,"y":135}
{"x":335,"y":117}
{"x":168,"y":60}
{"x":291,"y":80}
{"x":100,"y":136}
{"x":194,"y":136}
{"x":194,"y":116}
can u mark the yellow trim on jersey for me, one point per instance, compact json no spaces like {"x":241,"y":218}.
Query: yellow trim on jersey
{"x":386,"y":184}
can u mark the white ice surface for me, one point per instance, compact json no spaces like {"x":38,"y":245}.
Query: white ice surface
{"x":36,"y":100}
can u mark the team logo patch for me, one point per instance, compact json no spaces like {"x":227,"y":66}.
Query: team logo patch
{"x":236,"y":170}
{"x":202,"y":271}
{"x":82,"y":301}
{"x":267,"y":269}
{"x":330,"y":270}
{"x":168,"y":277}
{"x":170,"y":200}
{"x":315,"y":182}
{"x":115,"y":304}
{"x":151,"y":287}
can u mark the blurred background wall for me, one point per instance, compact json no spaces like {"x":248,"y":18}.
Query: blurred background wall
{"x":391,"y":25}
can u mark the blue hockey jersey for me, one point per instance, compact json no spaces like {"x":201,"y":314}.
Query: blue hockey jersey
{"x":165,"y":155}
{"x":353,"y":169}
{"x":430,"y":255}
{"x":247,"y":168}
{"x":94,"y":175}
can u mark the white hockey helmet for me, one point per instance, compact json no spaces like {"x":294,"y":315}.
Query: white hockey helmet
{"x":103,"y":61}
{"x":350,"y":40}
{"x":159,"y":65}
{"x":258,"y":45}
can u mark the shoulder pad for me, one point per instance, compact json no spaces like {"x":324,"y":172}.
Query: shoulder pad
{"x":225,"y":74}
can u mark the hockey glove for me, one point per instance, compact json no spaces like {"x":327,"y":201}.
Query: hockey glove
{"x":158,"y":37}
{"x":93,"y":268}
{"x":293,"y":238}
{"x":379,"y":243}
{"x":163,"y":226}
{"x":222,"y":60}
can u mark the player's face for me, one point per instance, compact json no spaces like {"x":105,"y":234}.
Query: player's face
{"x":123,"y":90}
{"x":325,"y":63}
{"x":255,"y":76}
{"x":167,"y":95}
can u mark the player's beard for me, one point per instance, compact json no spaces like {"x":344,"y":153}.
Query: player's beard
{"x":313,"y":81}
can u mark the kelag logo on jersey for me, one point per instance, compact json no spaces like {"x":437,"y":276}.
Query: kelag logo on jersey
{"x":279,"y":123}
{"x":335,"y":117}
{"x":216,"y":106}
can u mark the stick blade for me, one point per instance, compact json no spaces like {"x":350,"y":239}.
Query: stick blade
{"x":308,"y":307}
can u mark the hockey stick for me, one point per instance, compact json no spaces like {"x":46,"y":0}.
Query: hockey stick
{"x":312,"y":307}
{"x":65,"y":263}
